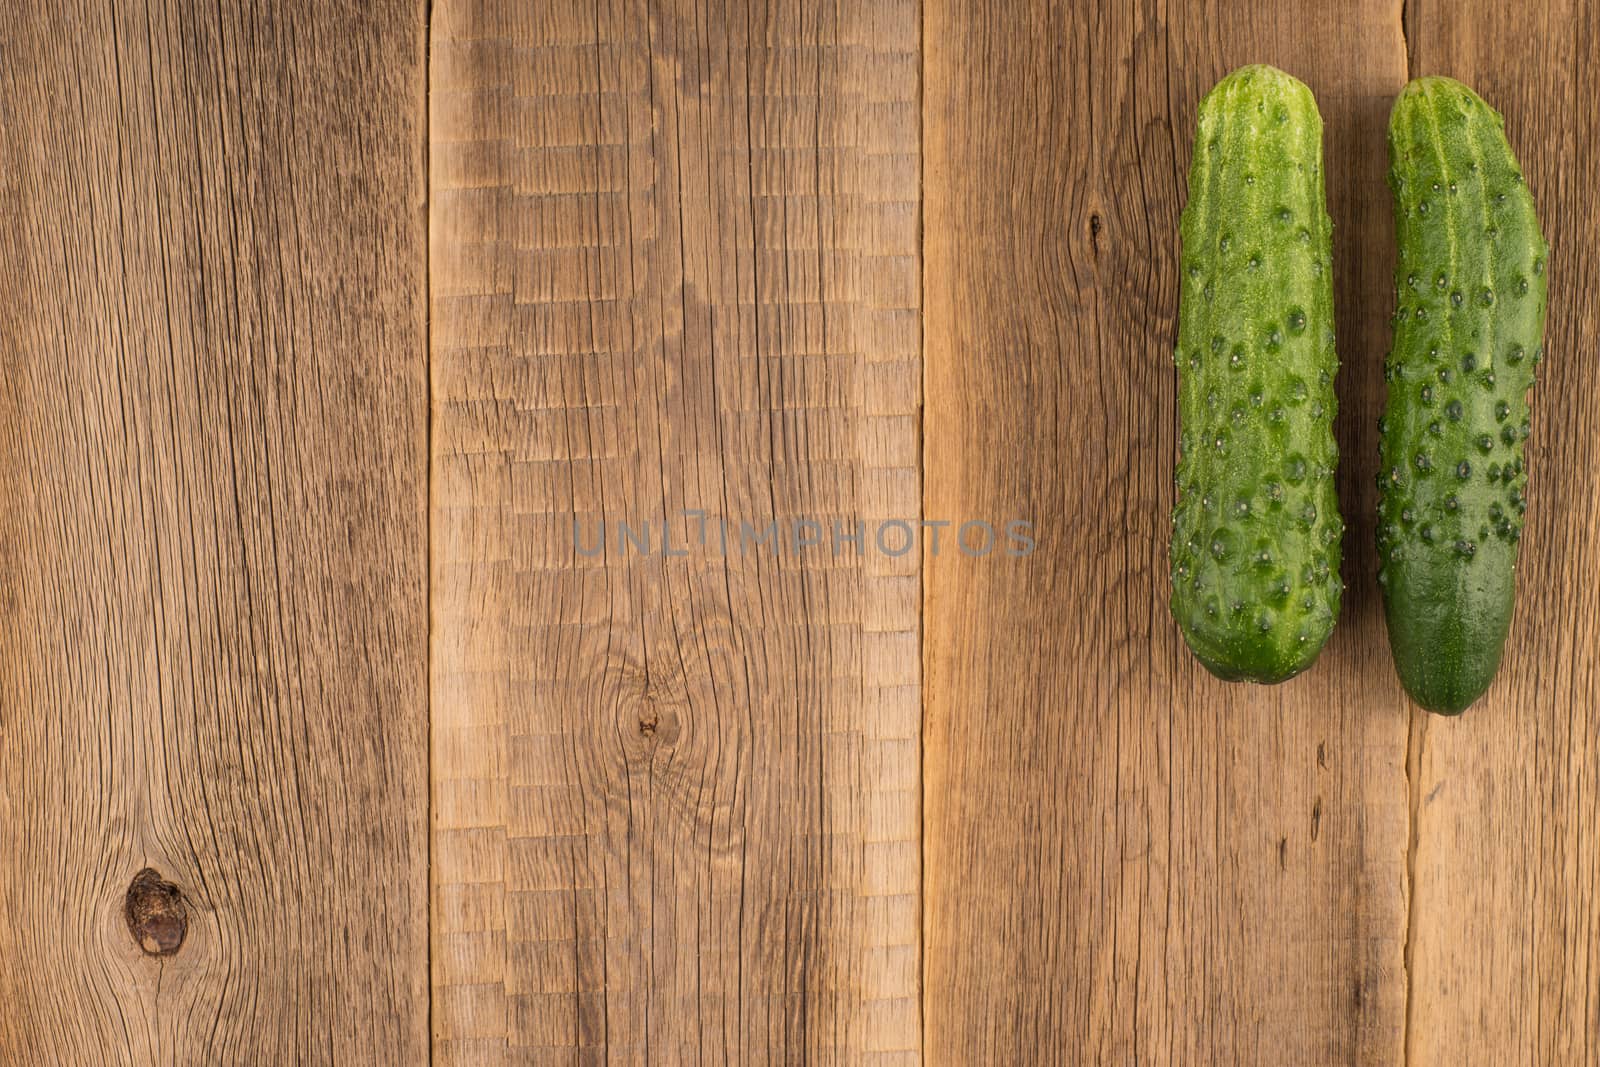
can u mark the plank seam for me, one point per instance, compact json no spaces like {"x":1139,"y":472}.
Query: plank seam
{"x":922,"y":508}
{"x":427,"y":340}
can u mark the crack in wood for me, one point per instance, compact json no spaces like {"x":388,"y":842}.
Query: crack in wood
{"x":1414,"y":744}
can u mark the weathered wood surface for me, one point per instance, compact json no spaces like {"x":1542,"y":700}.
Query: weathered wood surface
{"x":213,"y":546}
{"x":765,"y":260}
{"x":675,"y":269}
{"x":1505,"y":925}
{"x":1126,"y":860}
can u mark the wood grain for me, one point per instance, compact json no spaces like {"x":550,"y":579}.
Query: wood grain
{"x":674,"y":269}
{"x":719,"y":800}
{"x":213,"y":548}
{"x":1126,"y":860}
{"x":1506,"y":917}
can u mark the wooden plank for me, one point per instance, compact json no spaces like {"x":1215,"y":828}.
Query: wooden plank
{"x":674,"y":269}
{"x":1506,"y":918}
{"x":213,"y":550}
{"x":1126,"y":859}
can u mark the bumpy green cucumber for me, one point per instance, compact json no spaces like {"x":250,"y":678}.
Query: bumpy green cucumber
{"x":1256,"y":529}
{"x":1469,"y":323}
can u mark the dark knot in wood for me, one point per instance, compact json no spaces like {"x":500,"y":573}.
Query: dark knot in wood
{"x":157,"y":916}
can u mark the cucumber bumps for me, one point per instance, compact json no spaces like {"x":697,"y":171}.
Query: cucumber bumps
{"x":1256,"y":529}
{"x":1469,"y":321}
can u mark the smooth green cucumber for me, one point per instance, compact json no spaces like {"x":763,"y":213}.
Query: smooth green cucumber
{"x":1256,"y":528}
{"x":1469,"y":324}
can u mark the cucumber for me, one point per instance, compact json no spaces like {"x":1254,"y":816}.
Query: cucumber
{"x":1468,"y":329}
{"x":1256,"y":528}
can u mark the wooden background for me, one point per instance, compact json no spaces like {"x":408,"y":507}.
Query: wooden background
{"x":332,"y":334}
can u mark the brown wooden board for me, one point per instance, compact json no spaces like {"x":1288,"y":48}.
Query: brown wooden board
{"x":1126,"y":860}
{"x":332,"y":336}
{"x":1505,"y":917}
{"x":213,"y":544}
{"x":675,"y":269}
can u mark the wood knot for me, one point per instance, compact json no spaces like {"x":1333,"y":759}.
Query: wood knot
{"x":656,"y":722}
{"x":156,"y":913}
